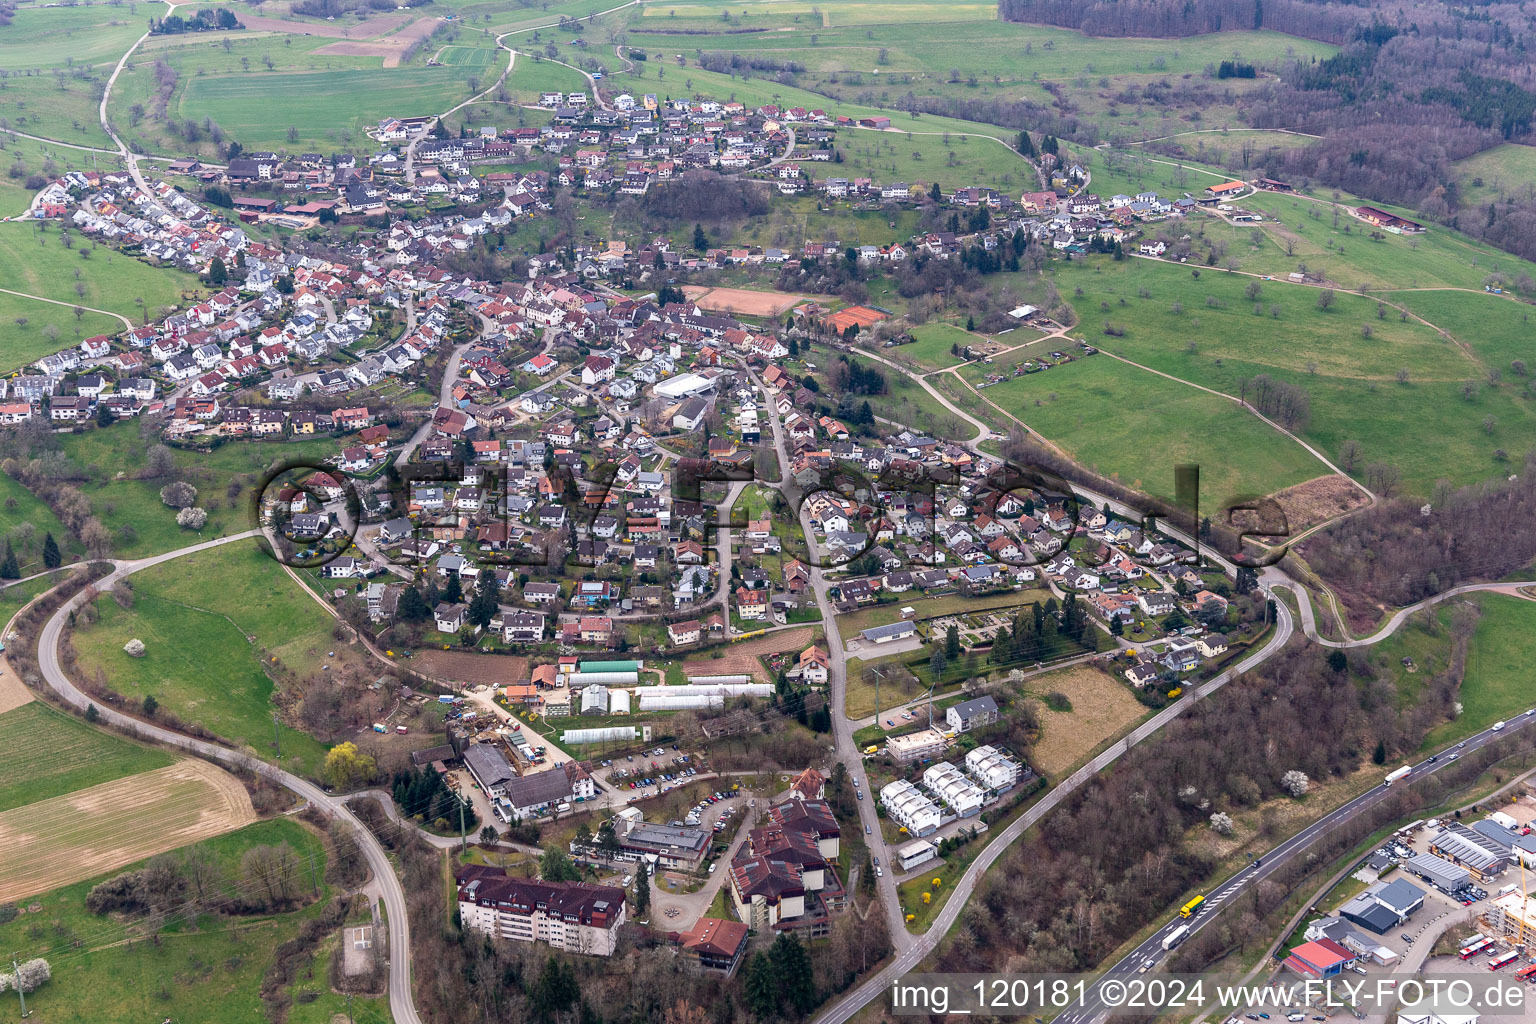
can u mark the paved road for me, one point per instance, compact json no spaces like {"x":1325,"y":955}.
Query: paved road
{"x":401,"y":1002}
{"x":1309,"y":622}
{"x":1151,"y":952}
{"x":915,"y":952}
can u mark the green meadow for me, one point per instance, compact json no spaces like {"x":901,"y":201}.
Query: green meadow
{"x":35,"y":261}
{"x":1135,"y":427}
{"x":954,"y":161}
{"x":131,"y":508}
{"x":209,"y":967}
{"x":323,"y":108}
{"x":1496,"y":685}
{"x":194,"y":615}
{"x":46,"y":753}
{"x":1205,"y":330}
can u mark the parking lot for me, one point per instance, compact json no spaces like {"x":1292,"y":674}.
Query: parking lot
{"x":650,"y":773}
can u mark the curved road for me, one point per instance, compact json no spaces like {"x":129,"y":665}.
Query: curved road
{"x":909,"y":958}
{"x":401,"y":1003}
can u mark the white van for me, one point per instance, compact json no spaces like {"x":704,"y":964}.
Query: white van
{"x":1497,"y":726}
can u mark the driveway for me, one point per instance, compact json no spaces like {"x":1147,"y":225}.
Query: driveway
{"x":676,"y":912}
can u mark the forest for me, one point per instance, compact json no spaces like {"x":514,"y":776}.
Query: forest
{"x":1414,"y":89}
{"x":1063,"y":900}
{"x":1401,"y":551}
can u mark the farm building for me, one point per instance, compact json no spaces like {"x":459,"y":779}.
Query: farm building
{"x":613,"y":734}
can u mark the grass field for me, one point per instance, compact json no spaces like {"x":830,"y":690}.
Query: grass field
{"x":45,"y":753}
{"x":1496,"y":328}
{"x":63,"y":839}
{"x":850,"y":623}
{"x":323,"y":108}
{"x":1135,"y":427}
{"x":209,"y":968}
{"x":933,"y":344}
{"x":908,"y":403}
{"x":111,"y":459}
{"x":1504,"y":170}
{"x":34,"y":261}
{"x":921,"y":53}
{"x":1102,"y":707}
{"x":29,"y":509}
{"x":1497,"y":681}
{"x":954,"y":161}
{"x":1351,"y":379}
{"x":61,"y":37}
{"x":194,"y":615}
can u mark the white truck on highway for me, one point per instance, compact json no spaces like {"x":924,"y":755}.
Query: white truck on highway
{"x":1176,"y":936}
{"x":1396,"y":774}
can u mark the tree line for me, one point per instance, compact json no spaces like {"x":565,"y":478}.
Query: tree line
{"x":1403,"y":550}
{"x":1066,"y":898}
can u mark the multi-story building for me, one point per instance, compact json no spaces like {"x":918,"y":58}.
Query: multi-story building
{"x":577,"y":917}
{"x":991,"y":768}
{"x":950,"y":785}
{"x":909,"y":808}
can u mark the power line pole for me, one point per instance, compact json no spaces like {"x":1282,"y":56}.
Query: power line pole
{"x":277,"y":740}
{"x":16,"y":970}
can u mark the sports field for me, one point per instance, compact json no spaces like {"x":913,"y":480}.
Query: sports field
{"x":54,"y":842}
{"x":45,"y":753}
{"x":743,"y":301}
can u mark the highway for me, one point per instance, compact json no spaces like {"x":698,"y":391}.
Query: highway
{"x":907,"y":959}
{"x":1151,"y":952}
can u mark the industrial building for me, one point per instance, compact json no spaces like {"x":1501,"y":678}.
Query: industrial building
{"x":1383,"y":905}
{"x":1364,"y":946}
{"x":1323,"y":958}
{"x":916,"y":746}
{"x":1483,"y":857}
{"x":909,"y":808}
{"x":489,"y":767}
{"x":1438,"y":871}
{"x":949,"y":784}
